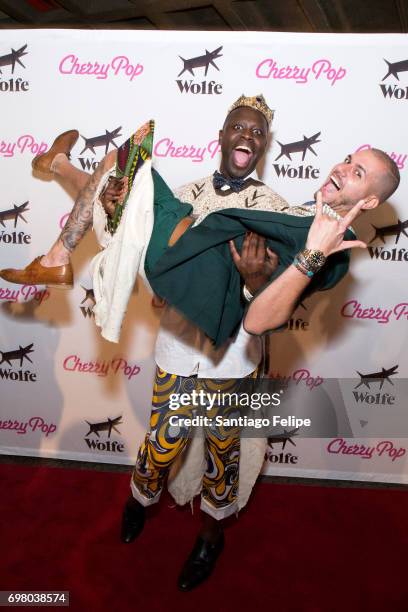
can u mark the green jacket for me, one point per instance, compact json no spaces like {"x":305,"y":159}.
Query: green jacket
{"x":199,"y":278}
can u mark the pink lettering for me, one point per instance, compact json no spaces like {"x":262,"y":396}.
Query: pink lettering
{"x":383,"y":448}
{"x":401,"y":310}
{"x":339,"y":445}
{"x":39,"y":423}
{"x":214,"y":148}
{"x":324,"y":66}
{"x":73,"y":363}
{"x":363,"y":147}
{"x":7,"y":148}
{"x":163,"y":147}
{"x":27,"y":293}
{"x":70,"y":64}
{"x":399,"y":158}
{"x":262,"y":69}
{"x":17,"y":426}
{"x":350,"y":312}
{"x":387,"y":447}
{"x":25,"y":143}
{"x":9,"y":295}
{"x":64,"y":65}
{"x":268,"y":69}
{"x":335,"y":446}
{"x":120,"y":364}
{"x":28,"y":143}
{"x":35,"y":424}
{"x":353,"y":309}
{"x":70,"y":363}
{"x":121,"y":62}
{"x":305,"y":376}
{"x":166,"y":148}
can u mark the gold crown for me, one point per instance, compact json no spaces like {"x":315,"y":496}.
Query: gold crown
{"x":256,"y":102}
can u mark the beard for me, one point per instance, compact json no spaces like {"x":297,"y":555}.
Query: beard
{"x":340,"y":201}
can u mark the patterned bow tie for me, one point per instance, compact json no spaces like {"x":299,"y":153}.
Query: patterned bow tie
{"x":236,"y":184}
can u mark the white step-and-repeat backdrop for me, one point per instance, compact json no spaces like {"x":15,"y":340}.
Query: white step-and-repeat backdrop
{"x":65,"y":392}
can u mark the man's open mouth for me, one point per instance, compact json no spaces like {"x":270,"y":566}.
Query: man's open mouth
{"x":242,"y":156}
{"x":335,"y":181}
{"x":332,"y":185}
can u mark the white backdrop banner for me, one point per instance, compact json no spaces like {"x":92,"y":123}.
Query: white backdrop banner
{"x":65,"y":392}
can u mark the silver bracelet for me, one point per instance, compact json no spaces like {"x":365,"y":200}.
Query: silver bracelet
{"x":247,"y":294}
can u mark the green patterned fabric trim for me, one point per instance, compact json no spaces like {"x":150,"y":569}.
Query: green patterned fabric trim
{"x":131,"y":156}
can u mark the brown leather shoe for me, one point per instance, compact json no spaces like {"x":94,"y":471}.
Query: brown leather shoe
{"x":62,"y":144}
{"x":36,"y":274}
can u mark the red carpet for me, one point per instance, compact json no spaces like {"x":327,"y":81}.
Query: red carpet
{"x":302,"y":548}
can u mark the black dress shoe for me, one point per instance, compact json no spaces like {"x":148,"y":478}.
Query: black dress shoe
{"x":200,"y":563}
{"x":133,"y":520}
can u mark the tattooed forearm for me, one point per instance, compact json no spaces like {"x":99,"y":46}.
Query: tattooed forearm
{"x":80,"y":219}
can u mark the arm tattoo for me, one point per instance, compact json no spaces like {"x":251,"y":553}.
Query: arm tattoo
{"x":80,"y":219}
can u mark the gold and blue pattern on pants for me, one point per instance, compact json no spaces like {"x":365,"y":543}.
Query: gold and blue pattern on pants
{"x":165,"y":442}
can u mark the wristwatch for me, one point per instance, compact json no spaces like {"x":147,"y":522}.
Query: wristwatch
{"x":311,"y":259}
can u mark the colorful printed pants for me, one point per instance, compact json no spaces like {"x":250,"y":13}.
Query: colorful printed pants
{"x":165,"y":442}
